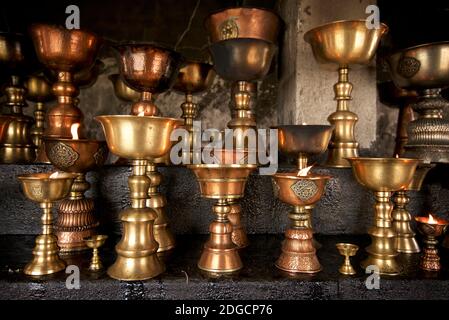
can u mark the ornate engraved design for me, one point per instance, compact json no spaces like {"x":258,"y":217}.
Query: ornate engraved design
{"x":408,"y":66}
{"x":37,"y":191}
{"x":229,"y":29}
{"x":276,"y":188}
{"x":305,"y":189}
{"x":62,"y":155}
{"x":100,"y":155}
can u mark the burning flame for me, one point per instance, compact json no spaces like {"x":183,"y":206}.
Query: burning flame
{"x":431,"y":220}
{"x":396,"y":156}
{"x":74,"y":131}
{"x":54,"y":175}
{"x":304,"y":172}
{"x":141,"y":114}
{"x":304,"y":123}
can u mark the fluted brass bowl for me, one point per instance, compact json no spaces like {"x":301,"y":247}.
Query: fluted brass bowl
{"x":38,"y":89}
{"x":243,"y":23}
{"x":299,"y":191}
{"x":242,"y":59}
{"x":384,"y":174}
{"x":62,"y":49}
{"x":122,"y":91}
{"x":421,"y":67}
{"x":77,"y":156}
{"x":138,"y":138}
{"x":344,"y":43}
{"x":5,"y":120}
{"x":218,"y":181}
{"x":308,"y":139}
{"x":40,"y":187}
{"x":147,"y":67}
{"x":194,"y":77}
{"x":16,"y":53}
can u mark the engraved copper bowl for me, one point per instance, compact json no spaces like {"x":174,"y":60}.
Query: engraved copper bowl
{"x":148,"y":67}
{"x":344,"y":43}
{"x":76,"y":156}
{"x":39,"y":187}
{"x":435,"y":229}
{"x":421,"y":67}
{"x":243,"y":23}
{"x":194,"y":77}
{"x":122,"y":91}
{"x":299,"y":191}
{"x":64,"y":50}
{"x":242,"y":59}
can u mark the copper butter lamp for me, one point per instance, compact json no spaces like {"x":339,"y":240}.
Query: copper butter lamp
{"x":141,"y":139}
{"x":340,"y":45}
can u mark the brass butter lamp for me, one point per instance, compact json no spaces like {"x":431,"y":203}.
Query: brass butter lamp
{"x":66,"y":52}
{"x":383,"y":176}
{"x":76,"y":219}
{"x":39,"y":91}
{"x":341,"y":45}
{"x":424,"y":68}
{"x":46,"y":188}
{"x":347,"y":250}
{"x":151,"y":69}
{"x":94,"y":243}
{"x":221,"y":182}
{"x":15,"y":54}
{"x":141,"y":139}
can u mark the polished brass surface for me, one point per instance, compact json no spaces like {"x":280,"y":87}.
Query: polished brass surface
{"x":347,"y":250}
{"x":238,"y":235}
{"x":139,"y":139}
{"x":430,"y":260}
{"x":66,"y":52}
{"x":221,"y":182}
{"x":122,"y":91}
{"x":76,"y":219}
{"x":243,"y":23}
{"x":83,"y":78}
{"x":383,"y":176}
{"x":5,"y":120}
{"x":425,"y":69}
{"x":39,"y":187}
{"x":302,"y":192}
{"x":148,"y":69}
{"x":94,"y":243}
{"x":405,"y":237}
{"x":342,"y":44}
{"x":39,"y":91}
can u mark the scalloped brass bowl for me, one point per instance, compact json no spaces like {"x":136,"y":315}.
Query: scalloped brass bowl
{"x":39,"y":187}
{"x":384,"y":174}
{"x":194,"y":77}
{"x":421,"y":67}
{"x":344,"y":43}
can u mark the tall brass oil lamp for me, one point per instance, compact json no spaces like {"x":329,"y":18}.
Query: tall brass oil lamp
{"x":341,"y":45}
{"x":221,"y":181}
{"x":39,"y":91}
{"x":66,"y":52}
{"x":76,"y":219}
{"x":383,"y":176}
{"x":46,"y":189}
{"x":15,"y":53}
{"x":405,"y":237}
{"x":160,"y":66}
{"x":141,"y":139}
{"x":425,"y":69}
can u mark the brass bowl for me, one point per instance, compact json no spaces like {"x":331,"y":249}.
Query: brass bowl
{"x":96,"y":241}
{"x":234,"y":156}
{"x":419,"y":176}
{"x":307,"y":139}
{"x":38,"y":89}
{"x":194,"y":77}
{"x":5,"y":120}
{"x":77,"y":156}
{"x":421,"y":67}
{"x":344,"y":43}
{"x":16,"y":54}
{"x":299,"y":191}
{"x":138,"y":138}
{"x":39,"y":187}
{"x":347,"y":249}
{"x":384,"y":174}
{"x":122,"y":91}
{"x":242,"y":59}
{"x":147,"y":67}
{"x":243,"y":23}
{"x":218,"y":181}
{"x":64,"y":50}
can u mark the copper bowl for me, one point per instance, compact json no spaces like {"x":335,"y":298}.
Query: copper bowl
{"x":194,"y":77}
{"x":421,"y":67}
{"x":64,"y":50}
{"x":122,"y":91}
{"x":243,"y":23}
{"x":147,"y":67}
{"x":242,"y":59}
{"x":435,"y":229}
{"x":16,"y":54}
{"x":76,"y":156}
{"x":38,"y":89}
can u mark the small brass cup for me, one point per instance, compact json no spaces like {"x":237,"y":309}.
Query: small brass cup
{"x":347,"y":250}
{"x":95,"y":242}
